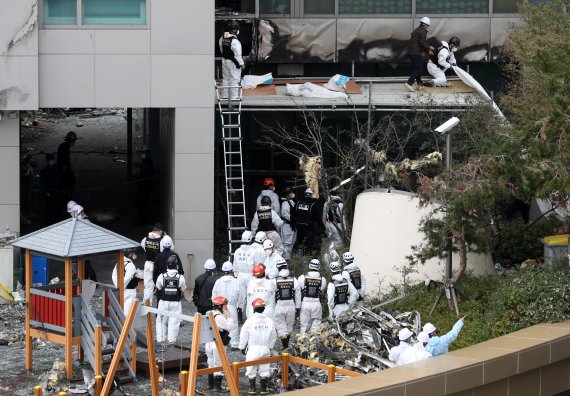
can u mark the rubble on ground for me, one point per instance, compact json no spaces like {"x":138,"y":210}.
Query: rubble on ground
{"x":358,"y":340}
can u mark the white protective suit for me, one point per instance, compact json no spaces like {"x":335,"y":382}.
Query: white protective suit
{"x":396,"y":352}
{"x":351,"y":268}
{"x":275,"y":206}
{"x":445,"y":58}
{"x":311,"y":307}
{"x":288,"y":236}
{"x":171,"y":306}
{"x":284,"y":315}
{"x":261,"y":288}
{"x":243,"y":265}
{"x":415,"y":353}
{"x":334,"y":212}
{"x":259,"y":335}
{"x":227,"y":286}
{"x":337,"y":309}
{"x":259,"y":255}
{"x":223,"y":323}
{"x":270,"y":263}
{"x":155,"y":238}
{"x":273,"y":235}
{"x":231,"y":74}
{"x":130,"y":273}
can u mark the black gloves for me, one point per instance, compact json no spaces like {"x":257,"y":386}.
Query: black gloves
{"x":243,"y":351}
{"x":454,"y":64}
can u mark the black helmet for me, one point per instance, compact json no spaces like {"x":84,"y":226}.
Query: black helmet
{"x":265,"y":200}
{"x":71,"y":136}
{"x":455,"y":41}
{"x":287,"y":190}
{"x":233,"y":25}
{"x":128,"y":252}
{"x":172,"y":262}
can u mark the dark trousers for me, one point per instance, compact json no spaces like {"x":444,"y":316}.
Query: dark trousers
{"x":417,"y":69}
{"x":306,"y":237}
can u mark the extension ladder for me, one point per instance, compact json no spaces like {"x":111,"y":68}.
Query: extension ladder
{"x":230,"y":113}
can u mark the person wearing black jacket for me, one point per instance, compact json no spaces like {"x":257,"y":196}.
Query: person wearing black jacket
{"x":166,"y":250}
{"x":418,"y":47}
{"x":202,"y":296}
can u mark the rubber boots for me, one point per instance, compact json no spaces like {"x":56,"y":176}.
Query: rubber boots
{"x":219,"y":387}
{"x":264,"y":390}
{"x":252,"y":390}
{"x":210,"y":381}
{"x":285,"y":341}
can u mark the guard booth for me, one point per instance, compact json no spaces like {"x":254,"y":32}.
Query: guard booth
{"x":53,"y":312}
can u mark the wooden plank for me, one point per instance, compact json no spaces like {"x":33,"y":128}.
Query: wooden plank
{"x":69,"y":319}
{"x":151,"y":354}
{"x":98,"y":351}
{"x":28,"y":281}
{"x":80,"y":276}
{"x":121,"y":277}
{"x":261,"y":90}
{"x":41,"y":334}
{"x":194,"y":354}
{"x":234,"y":390}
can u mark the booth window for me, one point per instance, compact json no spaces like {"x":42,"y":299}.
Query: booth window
{"x":319,"y":7}
{"x":424,"y":7}
{"x":275,"y":7}
{"x":375,"y":6}
{"x":114,"y":12}
{"x":60,"y":12}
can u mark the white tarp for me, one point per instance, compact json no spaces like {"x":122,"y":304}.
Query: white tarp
{"x":250,"y":81}
{"x":310,"y":90}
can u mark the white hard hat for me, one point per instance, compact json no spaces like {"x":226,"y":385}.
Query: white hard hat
{"x":246,"y":236}
{"x":210,"y":265}
{"x":334,"y":266}
{"x":227,"y":267}
{"x":404,"y":334}
{"x":347,"y":257}
{"x":268,"y":244}
{"x":423,"y":336}
{"x":280,"y":262}
{"x":166,"y":242}
{"x":308,"y":191}
{"x":315,"y":264}
{"x":260,"y":237}
{"x":425,"y":21}
{"x":429,"y":328}
{"x":70,"y":206}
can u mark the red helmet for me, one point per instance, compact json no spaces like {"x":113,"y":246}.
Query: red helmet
{"x":268,"y":182}
{"x":220,"y":300}
{"x":258,"y":303}
{"x":258,"y":270}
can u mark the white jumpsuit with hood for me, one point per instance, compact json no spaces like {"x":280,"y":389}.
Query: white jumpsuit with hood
{"x":311,"y":307}
{"x":258,"y":253}
{"x":284,"y":315}
{"x":223,"y":323}
{"x":335,"y":310}
{"x":259,"y":335}
{"x":287,"y":233}
{"x":228,"y":287}
{"x":270,"y":263}
{"x":170,"y":306}
{"x":275,"y":206}
{"x":243,"y":265}
{"x":130,"y":273}
{"x":442,"y":58}
{"x":231,"y":74}
{"x":261,"y":288}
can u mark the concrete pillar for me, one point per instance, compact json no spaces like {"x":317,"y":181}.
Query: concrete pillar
{"x":10,"y":170}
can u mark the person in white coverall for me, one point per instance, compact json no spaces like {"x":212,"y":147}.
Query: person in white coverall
{"x":131,"y":279}
{"x":151,"y":246}
{"x":228,"y":286}
{"x":259,"y":255}
{"x":404,"y":335}
{"x":288,"y":302}
{"x":269,"y":191}
{"x":267,"y":220}
{"x":354,"y":275}
{"x":417,"y":352}
{"x":170,"y":286}
{"x":312,"y":286}
{"x":260,"y":287}
{"x":288,"y":233}
{"x":258,"y":335}
{"x":243,"y":265}
{"x":225,"y":322}
{"x":271,"y":259}
{"x":341,"y":295}
{"x":441,"y":60}
{"x":232,"y":61}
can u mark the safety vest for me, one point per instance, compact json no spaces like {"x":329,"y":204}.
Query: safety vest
{"x":152,"y":248}
{"x":434,"y":57}
{"x":312,"y":287}
{"x":133,"y":283}
{"x":340,"y":292}
{"x":303,"y":213}
{"x":227,"y":52}
{"x":355,"y":278}
{"x":171,"y":288}
{"x":265,"y":220}
{"x":284,"y":290}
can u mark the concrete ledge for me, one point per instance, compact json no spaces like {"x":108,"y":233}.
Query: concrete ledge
{"x":532,"y":361}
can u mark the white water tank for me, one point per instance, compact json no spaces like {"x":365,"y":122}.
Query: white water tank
{"x":385,"y":228}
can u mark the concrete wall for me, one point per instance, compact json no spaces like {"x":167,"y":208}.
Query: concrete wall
{"x":10,"y":165}
{"x":534,"y":362}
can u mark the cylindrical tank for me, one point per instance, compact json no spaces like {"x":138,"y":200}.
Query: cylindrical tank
{"x":385,"y":228}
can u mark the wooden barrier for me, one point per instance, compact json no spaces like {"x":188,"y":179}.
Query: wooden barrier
{"x":151,"y":353}
{"x":98,"y":385}
{"x":38,"y":390}
{"x":183,"y":383}
{"x":98,"y":351}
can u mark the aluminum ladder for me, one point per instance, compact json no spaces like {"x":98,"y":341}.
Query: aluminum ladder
{"x":230,"y":113}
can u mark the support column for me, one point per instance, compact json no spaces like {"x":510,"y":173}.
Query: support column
{"x":69,"y":318}
{"x":121,"y":278}
{"x":28,"y":282}
{"x":80,"y":277}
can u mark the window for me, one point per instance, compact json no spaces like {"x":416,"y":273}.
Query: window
{"x":375,"y":6}
{"x":114,"y":12}
{"x":274,"y":6}
{"x":452,"y":7}
{"x":319,"y":6}
{"x":505,"y":6}
{"x":60,"y":12}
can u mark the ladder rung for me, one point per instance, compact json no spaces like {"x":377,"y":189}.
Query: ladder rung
{"x":232,"y":165}
{"x":232,"y":152}
{"x":240,"y":215}
{"x":235,"y":203}
{"x":236,"y":228}
{"x":235,"y":189}
{"x":231,"y":112}
{"x":228,"y":139}
{"x":233,"y":178}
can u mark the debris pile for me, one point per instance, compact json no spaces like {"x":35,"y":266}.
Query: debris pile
{"x":358,"y":340}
